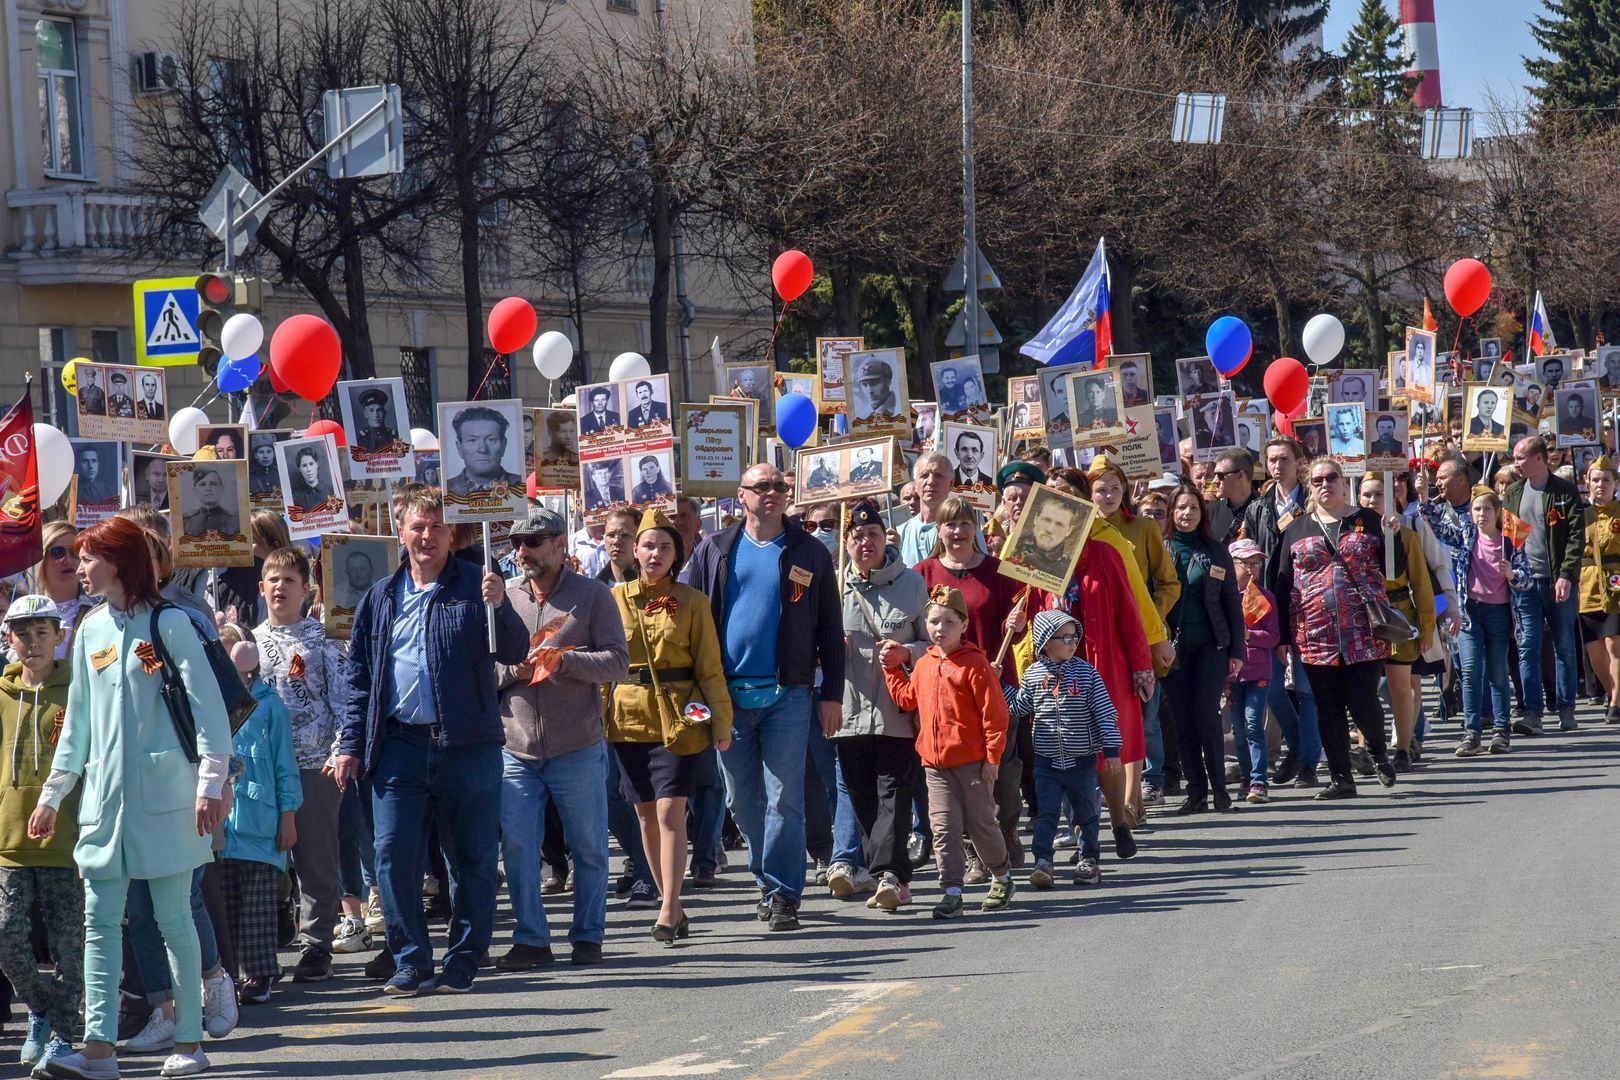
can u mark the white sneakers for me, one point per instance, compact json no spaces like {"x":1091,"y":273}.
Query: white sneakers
{"x":158,"y":1034}
{"x":219,"y":1008}
{"x":352,"y":936}
{"x":185,"y":1064}
{"x":844,"y":881}
{"x":77,"y":1065}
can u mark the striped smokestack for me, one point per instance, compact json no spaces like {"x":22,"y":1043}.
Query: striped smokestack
{"x":1422,"y":50}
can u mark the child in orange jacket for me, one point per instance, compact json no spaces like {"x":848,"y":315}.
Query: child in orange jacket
{"x":961,"y":732}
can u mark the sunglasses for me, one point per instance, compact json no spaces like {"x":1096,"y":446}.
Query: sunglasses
{"x":532,"y":542}
{"x":1224,"y":475}
{"x":821,"y":526}
{"x":780,"y":487}
{"x":57,"y":551}
{"x":1325,"y":479}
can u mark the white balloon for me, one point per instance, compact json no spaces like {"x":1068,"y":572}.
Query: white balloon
{"x":569,"y":402}
{"x":241,"y":336}
{"x":183,"y":425}
{"x":553,"y":352}
{"x":629,"y":365}
{"x":423,"y":439}
{"x":53,"y":455}
{"x":1324,"y":338}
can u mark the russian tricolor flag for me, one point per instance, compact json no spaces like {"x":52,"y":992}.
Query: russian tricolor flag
{"x":1082,"y":331}
{"x":1541,"y":335}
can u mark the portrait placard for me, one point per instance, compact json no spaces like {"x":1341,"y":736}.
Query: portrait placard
{"x":971,"y":450}
{"x":556,"y":434}
{"x":879,"y":397}
{"x":98,"y":465}
{"x":924,"y":422}
{"x":1606,"y":366}
{"x":1421,"y":360}
{"x":1387,"y":451}
{"x":149,"y":479}
{"x":123,"y":402}
{"x":427,"y":468}
{"x":377,"y":426}
{"x":1355,"y":384}
{"x":1576,"y":412}
{"x":1253,"y":424}
{"x":959,"y":390}
{"x":1485,"y":418}
{"x":1164,"y":427}
{"x":752,"y":408}
{"x":1138,"y":454}
{"x":1096,"y":407}
{"x":832,"y":365}
{"x":1316,"y":397}
{"x":264,"y":475}
{"x":481,"y":448}
{"x":1312,"y":436}
{"x":1135,"y":377}
{"x":1197,"y":376}
{"x":744,"y":380}
{"x":845,"y":470}
{"x":208,"y":515}
{"x":1055,"y":404}
{"x":1529,"y":397}
{"x":711,"y":467}
{"x":1214,"y":425}
{"x":1045,"y":545}
{"x":350,"y":565}
{"x":1347,"y":436}
{"x":228,"y":441}
{"x":311,"y":486}
{"x":624,"y":417}
{"x":1553,"y":368}
{"x":1396,"y":361}
{"x":1024,"y":402}
{"x":1490,"y":348}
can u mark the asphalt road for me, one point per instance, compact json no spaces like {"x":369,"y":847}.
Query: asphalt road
{"x":1461,"y":925}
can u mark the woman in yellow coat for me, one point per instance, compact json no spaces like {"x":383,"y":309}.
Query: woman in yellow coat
{"x":669,"y":709}
{"x":1411,"y":592}
{"x":1600,"y":604}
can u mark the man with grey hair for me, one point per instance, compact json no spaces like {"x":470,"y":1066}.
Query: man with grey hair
{"x":931,"y":480}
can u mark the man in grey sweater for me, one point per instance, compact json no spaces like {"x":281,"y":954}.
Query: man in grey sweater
{"x":551,"y":706}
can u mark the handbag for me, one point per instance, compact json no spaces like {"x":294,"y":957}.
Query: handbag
{"x":239,"y":700}
{"x":676,"y":717}
{"x":1383,"y":618}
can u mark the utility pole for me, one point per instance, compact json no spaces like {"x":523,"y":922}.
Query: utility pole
{"x":688,"y":309}
{"x":970,"y":228}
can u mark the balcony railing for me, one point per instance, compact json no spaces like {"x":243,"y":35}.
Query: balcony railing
{"x":52,"y":221}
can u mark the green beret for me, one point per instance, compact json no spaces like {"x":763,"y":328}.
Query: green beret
{"x":1018,"y":472}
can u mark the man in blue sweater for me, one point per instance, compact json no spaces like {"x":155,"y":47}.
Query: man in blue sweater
{"x":774,"y":592}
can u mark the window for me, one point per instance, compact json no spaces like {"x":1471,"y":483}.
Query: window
{"x":105,"y":347}
{"x":421,"y":390}
{"x":230,"y":104}
{"x":58,"y":408}
{"x":56,"y":50}
{"x":627,"y":7}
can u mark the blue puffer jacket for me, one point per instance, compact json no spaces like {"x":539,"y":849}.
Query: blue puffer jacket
{"x":269,"y":785}
{"x":461,"y":671}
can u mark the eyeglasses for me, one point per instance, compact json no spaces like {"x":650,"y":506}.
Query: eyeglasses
{"x":532,"y":541}
{"x":780,"y":487}
{"x":821,"y":526}
{"x":1067,"y":639}
{"x":1157,"y":513}
{"x":1224,"y":475}
{"x":1325,"y":479}
{"x":57,"y":551}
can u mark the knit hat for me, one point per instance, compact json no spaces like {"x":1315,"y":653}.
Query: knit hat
{"x":945,"y":596}
{"x":1018,"y":472}
{"x":1049,"y":623}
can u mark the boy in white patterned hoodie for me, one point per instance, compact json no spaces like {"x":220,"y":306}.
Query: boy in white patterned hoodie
{"x":307,"y":670}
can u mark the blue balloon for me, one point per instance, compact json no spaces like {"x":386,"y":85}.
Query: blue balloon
{"x":1439,"y":603}
{"x":795,"y":419}
{"x":1228,"y":343}
{"x":232,"y":376}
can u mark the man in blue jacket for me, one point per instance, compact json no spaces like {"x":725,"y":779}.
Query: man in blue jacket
{"x":423,"y":722}
{"x":774,"y":591}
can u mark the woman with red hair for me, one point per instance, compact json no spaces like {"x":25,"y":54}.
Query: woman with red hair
{"x":148,"y":810}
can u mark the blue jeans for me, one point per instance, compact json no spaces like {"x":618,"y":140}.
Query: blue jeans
{"x":357,"y":858}
{"x":146,"y":943}
{"x":576,"y":784}
{"x":1248,"y":715}
{"x":1077,"y":784}
{"x":765,"y":788}
{"x":1535,"y":606}
{"x":1299,"y":726}
{"x":706,"y":810}
{"x":622,"y":824}
{"x":460,"y":788}
{"x":846,"y":829}
{"x":1153,"y":736}
{"x":1483,"y":660}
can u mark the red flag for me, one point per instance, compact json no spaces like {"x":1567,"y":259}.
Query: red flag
{"x":1429,"y":322}
{"x":21,"y":543}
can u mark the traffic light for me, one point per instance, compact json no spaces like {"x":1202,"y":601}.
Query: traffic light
{"x":216,"y":297}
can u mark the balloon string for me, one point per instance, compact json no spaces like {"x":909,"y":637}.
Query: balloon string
{"x":1456,"y":342}
{"x":499,"y":358}
{"x":770,"y":345}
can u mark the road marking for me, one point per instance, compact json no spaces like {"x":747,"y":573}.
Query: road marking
{"x":840,"y":1044}
{"x":1455,"y":967}
{"x":679,"y":1065}
{"x":1507,"y":1064}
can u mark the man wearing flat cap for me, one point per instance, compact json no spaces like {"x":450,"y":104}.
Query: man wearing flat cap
{"x":374,"y":433}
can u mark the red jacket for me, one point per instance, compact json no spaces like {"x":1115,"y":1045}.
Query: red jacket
{"x":961,"y":710}
{"x":1099,"y":595}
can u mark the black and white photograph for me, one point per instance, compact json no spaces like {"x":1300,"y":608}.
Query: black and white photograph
{"x":350,"y":566}
{"x":556,"y":452}
{"x":600,"y":411}
{"x":1576,"y":410}
{"x":743,"y":380}
{"x":1316,"y":397}
{"x":1485,"y":368}
{"x":603,"y":485}
{"x":1046,"y":542}
{"x":653,"y":478}
{"x":1135,"y":377}
{"x":1553,"y":369}
{"x":971,"y":451}
{"x":1529,"y":396}
{"x":98,"y":467}
{"x":1347,"y":436}
{"x":924,"y":421}
{"x":848,"y":471}
{"x":1251,"y":433}
{"x":1421,"y":361}
{"x":1095,"y":408}
{"x":647,"y":404}
{"x":311,"y":486}
{"x":264,"y":476}
{"x":1055,"y":404}
{"x":209,"y":528}
{"x":228,"y":441}
{"x":1355,"y":384}
{"x":1214,"y":426}
{"x":481,"y":454}
{"x":832,"y":370}
{"x":1024,"y":403}
{"x":1485,"y":418}
{"x":1197,"y":376}
{"x":959,"y":389}
{"x":1490,"y":347}
{"x":880,"y":403}
{"x":149,"y":479}
{"x":1164,"y":421}
{"x":151,"y":401}
{"x":1397,"y":373}
{"x":377,"y":427}
{"x":1582,"y":457}
{"x":1605,"y":366}
{"x":108,"y":398}
{"x":820,"y":472}
{"x":1312,"y":435}
{"x":91,"y":380}
{"x":1386,"y":452}
{"x":427,"y":468}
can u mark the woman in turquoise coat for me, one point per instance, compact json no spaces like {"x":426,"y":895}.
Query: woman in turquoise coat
{"x":146,"y":813}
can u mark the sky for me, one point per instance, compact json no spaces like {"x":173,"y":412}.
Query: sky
{"x":1481,"y":42}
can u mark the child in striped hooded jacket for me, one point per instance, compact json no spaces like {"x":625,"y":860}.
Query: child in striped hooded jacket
{"x":1074,"y":722}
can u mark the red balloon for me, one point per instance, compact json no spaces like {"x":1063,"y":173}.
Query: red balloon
{"x":327,"y":427}
{"x":512,"y":323}
{"x":533,"y":487}
{"x":1287,"y":382}
{"x":792,"y":273}
{"x":1468,"y":286}
{"x":306,"y":356}
{"x":275,"y":380}
{"x":1283,"y":424}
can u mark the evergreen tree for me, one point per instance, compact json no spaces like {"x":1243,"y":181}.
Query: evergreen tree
{"x":1372,"y":81}
{"x":1288,"y":20}
{"x":1581,"y":70}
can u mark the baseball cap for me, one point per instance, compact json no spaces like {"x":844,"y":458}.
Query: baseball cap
{"x":32,"y":606}
{"x":539,"y":522}
{"x":1246,"y":549}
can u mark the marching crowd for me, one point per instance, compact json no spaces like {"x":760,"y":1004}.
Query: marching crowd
{"x":846,"y":700}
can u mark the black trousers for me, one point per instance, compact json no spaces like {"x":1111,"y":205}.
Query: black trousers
{"x":1195,"y":688}
{"x":1346,"y":692}
{"x":878,"y":771}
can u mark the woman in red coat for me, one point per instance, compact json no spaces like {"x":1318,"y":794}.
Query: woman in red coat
{"x":1099,"y":596}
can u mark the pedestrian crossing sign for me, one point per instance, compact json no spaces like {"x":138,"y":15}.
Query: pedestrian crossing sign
{"x":166,"y":312}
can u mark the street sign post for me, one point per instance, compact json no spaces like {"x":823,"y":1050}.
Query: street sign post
{"x":166,"y":321}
